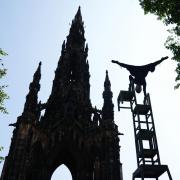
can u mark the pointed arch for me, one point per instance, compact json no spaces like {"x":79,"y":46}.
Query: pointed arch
{"x":62,"y":172}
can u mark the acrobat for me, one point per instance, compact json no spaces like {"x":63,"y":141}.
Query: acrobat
{"x":139,"y":73}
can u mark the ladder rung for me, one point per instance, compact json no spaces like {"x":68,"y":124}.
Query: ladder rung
{"x":142,"y":122}
{"x":141,"y":109}
{"x":123,"y":107}
{"x":147,"y":153}
{"x":145,"y":134}
{"x":150,"y":171}
{"x":148,"y":161}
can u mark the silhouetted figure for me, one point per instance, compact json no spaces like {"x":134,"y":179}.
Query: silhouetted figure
{"x":139,"y":73}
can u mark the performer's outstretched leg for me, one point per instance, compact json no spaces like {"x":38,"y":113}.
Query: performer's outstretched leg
{"x":131,"y":78}
{"x":144,"y":90}
{"x":131,"y":82}
{"x":118,"y":102}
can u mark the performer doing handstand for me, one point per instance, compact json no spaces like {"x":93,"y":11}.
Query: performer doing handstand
{"x":139,"y":73}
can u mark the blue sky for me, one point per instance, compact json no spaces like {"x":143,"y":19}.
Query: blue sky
{"x":33,"y":31}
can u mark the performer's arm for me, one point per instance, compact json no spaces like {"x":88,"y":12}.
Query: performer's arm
{"x":160,"y":61}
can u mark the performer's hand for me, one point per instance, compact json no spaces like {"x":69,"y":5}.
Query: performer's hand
{"x":163,"y":58}
{"x":113,"y":61}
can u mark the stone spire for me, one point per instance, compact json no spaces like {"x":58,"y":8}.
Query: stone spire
{"x":76,"y":33}
{"x":108,"y":106}
{"x":71,"y":83}
{"x":31,"y":107}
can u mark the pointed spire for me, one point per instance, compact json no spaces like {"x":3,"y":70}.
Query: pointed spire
{"x":86,"y":48}
{"x":63,"y":46}
{"x":107,"y":110}
{"x":34,"y":85}
{"x":31,"y":105}
{"x":76,"y":35}
{"x":78,"y":16}
{"x":72,"y":74}
{"x":37,"y":76}
{"x":86,"y":51}
{"x":107,"y":84}
{"x":107,"y":94}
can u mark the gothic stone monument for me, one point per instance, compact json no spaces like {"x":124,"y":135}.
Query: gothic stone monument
{"x":71,"y":131}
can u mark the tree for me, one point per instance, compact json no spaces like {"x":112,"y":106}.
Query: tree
{"x":3,"y":95}
{"x":1,"y":158}
{"x":169,"y":12}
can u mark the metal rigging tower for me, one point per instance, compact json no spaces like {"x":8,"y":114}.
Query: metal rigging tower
{"x":148,"y":159}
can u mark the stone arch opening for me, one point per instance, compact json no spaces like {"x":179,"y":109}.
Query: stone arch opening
{"x":62,"y":173}
{"x":63,"y":156}
{"x":78,"y":163}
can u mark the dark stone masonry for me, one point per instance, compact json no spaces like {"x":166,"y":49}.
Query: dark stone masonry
{"x":71,"y":131}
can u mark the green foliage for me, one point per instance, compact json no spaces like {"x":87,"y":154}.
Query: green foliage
{"x":1,"y":158}
{"x":3,"y":95}
{"x":166,"y":10}
{"x":3,"y":53}
{"x":169,"y":12}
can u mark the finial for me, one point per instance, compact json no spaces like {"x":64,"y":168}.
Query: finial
{"x":40,"y":63}
{"x":78,"y":14}
{"x":107,"y":110}
{"x":86,"y":48}
{"x":63,"y":46}
{"x":107,"y":82}
{"x":106,"y":72}
{"x":37,"y":74}
{"x":79,"y":8}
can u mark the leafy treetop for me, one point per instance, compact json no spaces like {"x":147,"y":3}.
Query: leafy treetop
{"x":169,"y":12}
{"x":3,"y":95}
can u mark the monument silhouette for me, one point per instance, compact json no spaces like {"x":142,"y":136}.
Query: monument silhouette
{"x":71,"y":131}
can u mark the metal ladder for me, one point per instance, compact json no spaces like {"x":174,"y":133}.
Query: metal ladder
{"x":147,"y":152}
